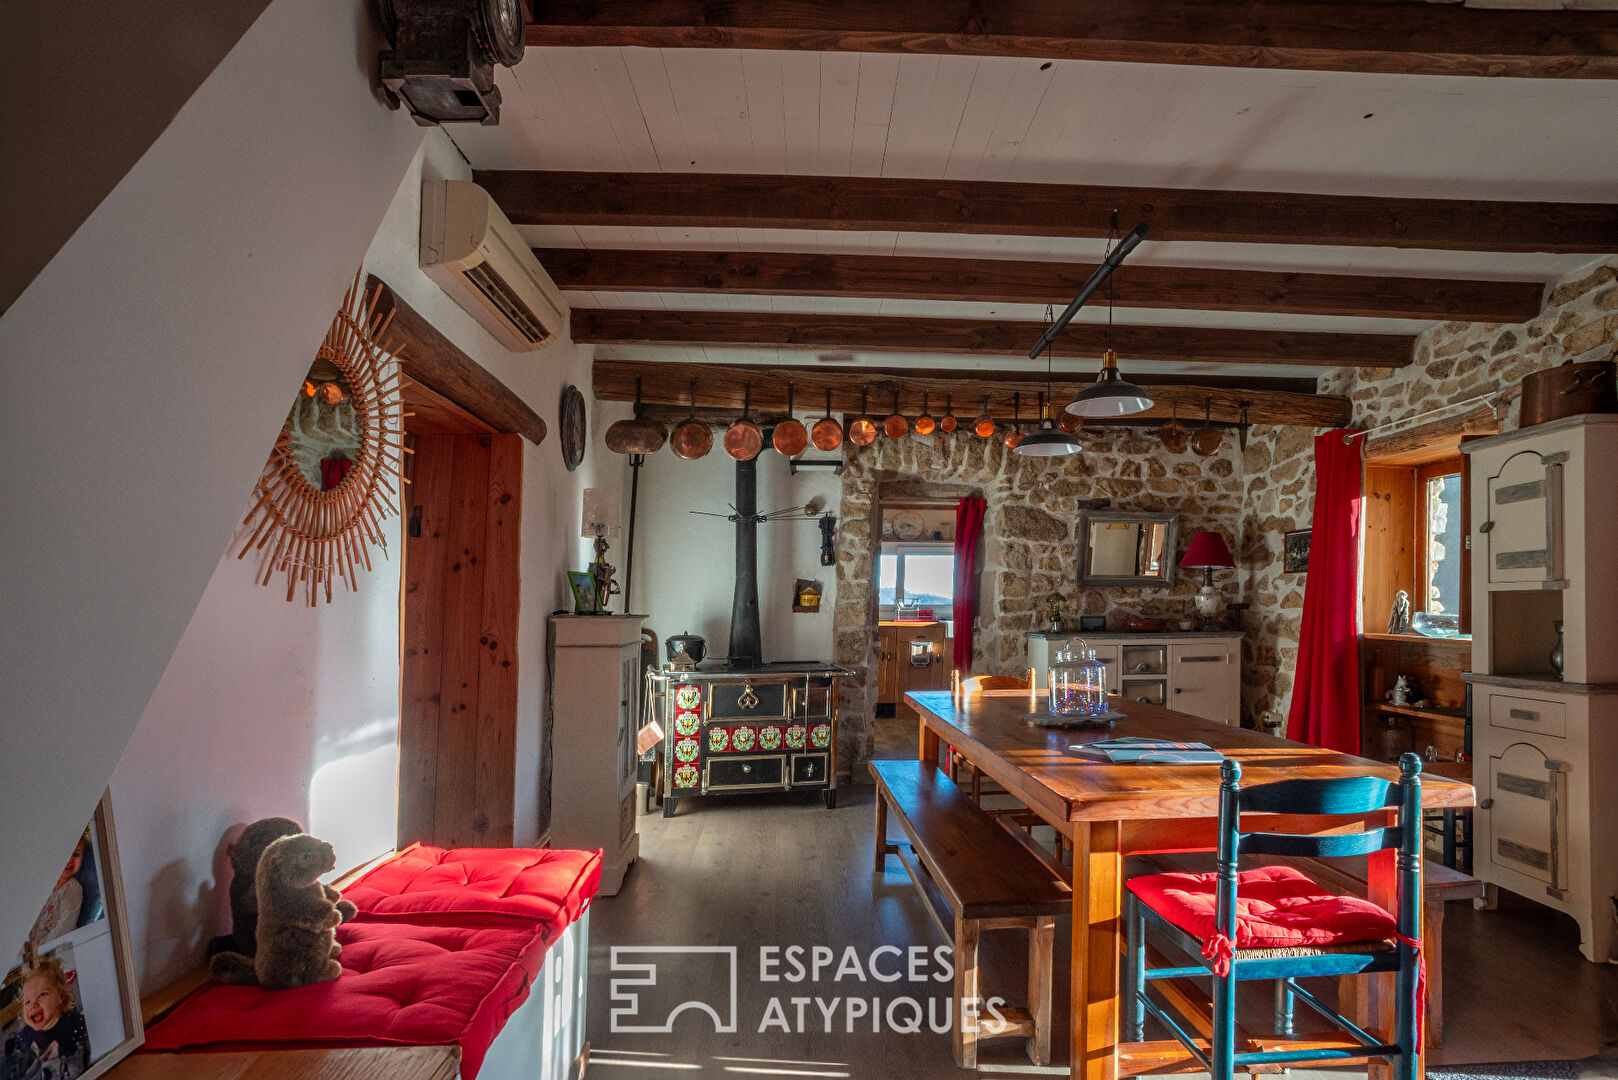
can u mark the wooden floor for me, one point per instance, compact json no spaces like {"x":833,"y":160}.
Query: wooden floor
{"x":752,"y":871}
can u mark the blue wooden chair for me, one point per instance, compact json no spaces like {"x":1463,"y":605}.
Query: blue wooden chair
{"x":1204,"y":915}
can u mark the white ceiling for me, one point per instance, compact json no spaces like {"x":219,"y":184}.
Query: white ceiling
{"x":1027,"y":120}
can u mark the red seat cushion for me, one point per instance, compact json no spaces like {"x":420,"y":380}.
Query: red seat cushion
{"x":1277,"y":907}
{"x":401,"y":984}
{"x":479,"y":886}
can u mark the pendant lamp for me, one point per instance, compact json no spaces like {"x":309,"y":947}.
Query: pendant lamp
{"x":1111,"y":394}
{"x":1049,"y":440}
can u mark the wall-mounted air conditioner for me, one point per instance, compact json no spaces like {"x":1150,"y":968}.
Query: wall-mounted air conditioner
{"x":477,"y":256}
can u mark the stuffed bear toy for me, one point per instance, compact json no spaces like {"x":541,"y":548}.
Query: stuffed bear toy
{"x":296,"y":918}
{"x":244,"y":853}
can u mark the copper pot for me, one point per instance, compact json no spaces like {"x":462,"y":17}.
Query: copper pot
{"x":789,"y":436}
{"x":947,"y":422}
{"x":1071,"y":423}
{"x":691,"y":438}
{"x":638,"y":435}
{"x":985,"y":423}
{"x":1014,"y":435}
{"x":743,"y":440}
{"x":896,"y":426}
{"x":925,"y":423}
{"x":1207,"y":439}
{"x":862,"y":431}
{"x":1174,"y":435}
{"x":827,"y":434}
{"x":1569,"y":390}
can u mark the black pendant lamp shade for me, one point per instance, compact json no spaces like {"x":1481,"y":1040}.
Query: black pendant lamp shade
{"x":1049,"y":440}
{"x":1111,"y":394}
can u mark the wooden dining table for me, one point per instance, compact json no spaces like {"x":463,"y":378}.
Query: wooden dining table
{"x":1109,"y":812}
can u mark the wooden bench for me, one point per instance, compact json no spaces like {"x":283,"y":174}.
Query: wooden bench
{"x":1440,"y":885}
{"x":987,"y":880}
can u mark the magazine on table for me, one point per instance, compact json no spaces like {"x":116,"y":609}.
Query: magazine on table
{"x":1131,"y":750}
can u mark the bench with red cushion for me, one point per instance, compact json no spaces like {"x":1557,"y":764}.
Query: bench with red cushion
{"x":401,"y":984}
{"x":479,"y":886}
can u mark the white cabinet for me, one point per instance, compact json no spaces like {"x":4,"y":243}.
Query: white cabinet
{"x":595,"y":716}
{"x":1545,"y":744}
{"x":1196,"y":673}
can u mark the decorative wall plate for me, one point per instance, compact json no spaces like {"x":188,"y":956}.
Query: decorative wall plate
{"x":313,"y":535}
{"x":573,"y":427}
{"x":907,"y":524}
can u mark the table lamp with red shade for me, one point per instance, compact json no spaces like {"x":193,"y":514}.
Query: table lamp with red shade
{"x":1208,"y":553}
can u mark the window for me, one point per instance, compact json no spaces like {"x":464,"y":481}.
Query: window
{"x":1439,"y":546}
{"x":916,"y":576}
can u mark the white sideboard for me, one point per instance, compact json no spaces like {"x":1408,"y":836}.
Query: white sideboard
{"x":595,"y":716}
{"x":1196,"y":673}
{"x":1545,"y":744}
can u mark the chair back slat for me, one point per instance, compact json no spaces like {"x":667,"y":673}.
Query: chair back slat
{"x":1347,"y":795}
{"x":1333,"y":846}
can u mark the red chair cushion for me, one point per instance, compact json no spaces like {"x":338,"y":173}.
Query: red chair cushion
{"x":479,"y":886}
{"x":1277,"y":907}
{"x":401,"y":985}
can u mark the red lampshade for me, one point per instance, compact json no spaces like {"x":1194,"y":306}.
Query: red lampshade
{"x":1207,"y":549}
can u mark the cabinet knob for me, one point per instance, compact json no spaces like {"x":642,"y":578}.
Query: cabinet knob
{"x":747,"y":767}
{"x":1177,"y":690}
{"x":1486,"y":804}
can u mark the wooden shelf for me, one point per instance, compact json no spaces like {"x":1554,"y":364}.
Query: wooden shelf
{"x":1460,"y":639}
{"x":1419,"y":714}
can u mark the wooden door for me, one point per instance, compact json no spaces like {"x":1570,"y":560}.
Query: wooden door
{"x":458,"y":656}
{"x":887,"y":682}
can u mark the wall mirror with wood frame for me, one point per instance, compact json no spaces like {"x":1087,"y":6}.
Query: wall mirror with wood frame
{"x":1126,"y":550}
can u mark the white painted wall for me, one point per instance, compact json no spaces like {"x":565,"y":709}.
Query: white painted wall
{"x":272,"y":709}
{"x":685,"y":563}
{"x":144,"y":377}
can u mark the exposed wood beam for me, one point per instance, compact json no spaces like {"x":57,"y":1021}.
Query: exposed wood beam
{"x":1383,"y":37}
{"x":982,"y":207}
{"x":721,"y":386}
{"x":433,"y":360}
{"x":616,"y":326}
{"x":776,"y":273}
{"x":1432,"y":441}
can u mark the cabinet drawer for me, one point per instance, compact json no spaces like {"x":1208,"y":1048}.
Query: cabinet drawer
{"x":1149,"y":691}
{"x":809,"y":769}
{"x":1528,"y":714}
{"x":748,"y":700}
{"x":744,"y":773}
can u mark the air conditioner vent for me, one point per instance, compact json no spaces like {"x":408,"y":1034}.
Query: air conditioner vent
{"x":505,"y":299}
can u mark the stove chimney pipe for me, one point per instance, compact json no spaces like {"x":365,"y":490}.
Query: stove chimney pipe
{"x":745,"y":650}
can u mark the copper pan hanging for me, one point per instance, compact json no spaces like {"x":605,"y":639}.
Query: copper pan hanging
{"x":1174,"y":435}
{"x":789,"y":436}
{"x":1207,"y":439}
{"x":1014,"y":435}
{"x":638,"y":435}
{"x":743,"y":440}
{"x":984,"y":426}
{"x":925,"y":422}
{"x":862,"y":430}
{"x":947,"y":423}
{"x":691,"y":438}
{"x":827,"y":434}
{"x":896,"y":426}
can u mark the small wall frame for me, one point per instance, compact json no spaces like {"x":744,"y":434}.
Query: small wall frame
{"x":311,"y":535}
{"x":79,"y":948}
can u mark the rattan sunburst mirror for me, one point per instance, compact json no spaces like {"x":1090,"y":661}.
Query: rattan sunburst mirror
{"x":328,"y":486}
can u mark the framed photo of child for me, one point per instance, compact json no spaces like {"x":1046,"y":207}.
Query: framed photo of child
{"x":69,"y":1004}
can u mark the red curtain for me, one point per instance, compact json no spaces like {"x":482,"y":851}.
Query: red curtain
{"x":968,"y":534}
{"x":1326,"y":693}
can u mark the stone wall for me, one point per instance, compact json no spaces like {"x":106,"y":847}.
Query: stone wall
{"x":1454,"y":362}
{"x":1029,"y":540}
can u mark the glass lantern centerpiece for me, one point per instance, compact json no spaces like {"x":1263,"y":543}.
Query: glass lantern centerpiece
{"x":1078,"y":682}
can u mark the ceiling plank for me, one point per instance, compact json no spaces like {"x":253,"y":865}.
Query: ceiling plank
{"x":777,"y":273}
{"x":983,"y":207}
{"x":760,"y":329}
{"x":1381,"y":37}
{"x":765,"y":387}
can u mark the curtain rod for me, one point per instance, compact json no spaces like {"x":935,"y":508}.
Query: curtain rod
{"x":1351,"y":436}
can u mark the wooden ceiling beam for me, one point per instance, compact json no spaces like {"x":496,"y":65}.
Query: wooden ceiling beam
{"x":987,"y":207}
{"x":779,"y":273}
{"x":615,"y":326}
{"x":1401,"y":38}
{"x":766,"y":386}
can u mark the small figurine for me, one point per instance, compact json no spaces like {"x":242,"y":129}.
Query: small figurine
{"x":1399,"y":620}
{"x":1401,"y":692}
